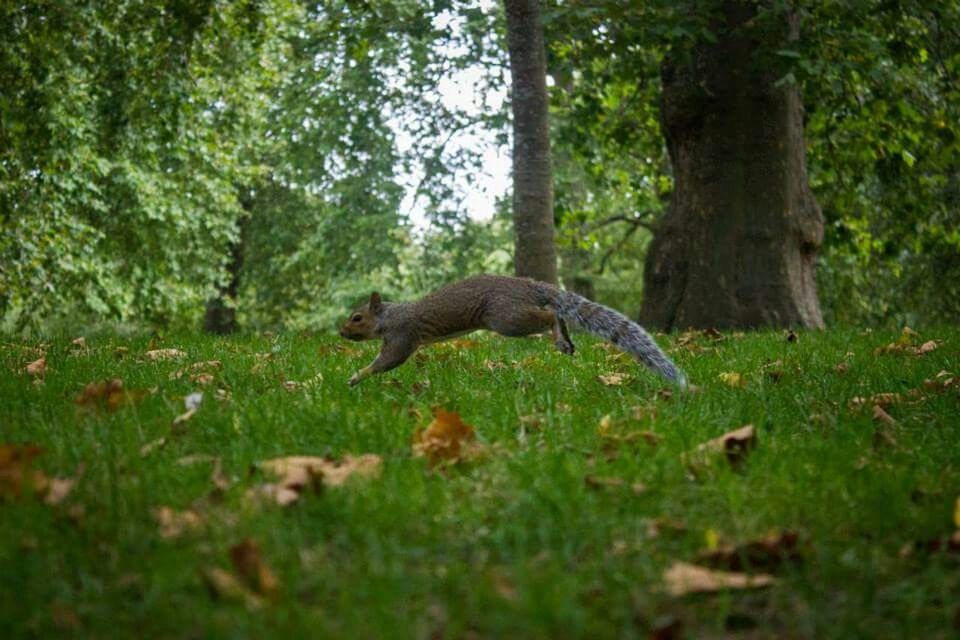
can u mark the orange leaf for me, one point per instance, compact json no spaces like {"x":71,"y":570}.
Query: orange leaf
{"x":444,"y":439}
{"x":37,"y":368}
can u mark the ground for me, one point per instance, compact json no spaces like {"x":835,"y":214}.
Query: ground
{"x":560,"y":519}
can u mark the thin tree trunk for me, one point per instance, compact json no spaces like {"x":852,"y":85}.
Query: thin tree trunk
{"x":221,"y":314}
{"x":737,"y":245}
{"x":534,"y":252}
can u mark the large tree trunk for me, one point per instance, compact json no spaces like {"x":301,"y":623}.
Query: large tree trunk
{"x":737,"y":245}
{"x":534,"y":251}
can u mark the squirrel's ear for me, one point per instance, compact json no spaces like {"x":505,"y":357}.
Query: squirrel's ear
{"x":375,"y":304}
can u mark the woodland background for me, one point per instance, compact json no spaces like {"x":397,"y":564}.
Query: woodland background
{"x":156,"y":159}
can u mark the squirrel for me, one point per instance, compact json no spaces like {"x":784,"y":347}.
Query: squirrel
{"x":509,"y":306}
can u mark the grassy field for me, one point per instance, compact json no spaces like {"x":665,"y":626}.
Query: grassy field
{"x":546,"y":533}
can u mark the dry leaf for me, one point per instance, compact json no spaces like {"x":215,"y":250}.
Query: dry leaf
{"x":202,"y":378}
{"x":734,"y":444}
{"x":109,"y":395}
{"x":297,"y":473}
{"x":37,"y":368}
{"x":445,"y":439}
{"x":658,"y":526}
{"x":842,"y":367}
{"x":59,"y":488}
{"x":881,"y":416}
{"x":683,"y":578}
{"x":164,"y":354}
{"x":732,"y":379}
{"x":223,"y":584}
{"x":206,"y":365}
{"x":768,"y":553}
{"x":151,"y":446}
{"x":248,"y":563}
{"x":16,"y":471}
{"x":184,"y":417}
{"x":613,"y":379}
{"x":174,"y":524}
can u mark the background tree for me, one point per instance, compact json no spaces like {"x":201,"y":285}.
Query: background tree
{"x":535,"y":254}
{"x":737,"y":245}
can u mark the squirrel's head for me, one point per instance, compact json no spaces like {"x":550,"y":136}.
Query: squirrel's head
{"x":362,"y":323}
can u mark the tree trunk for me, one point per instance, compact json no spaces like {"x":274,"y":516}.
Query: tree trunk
{"x":737,"y":245}
{"x":534,"y":251}
{"x":220,"y":317}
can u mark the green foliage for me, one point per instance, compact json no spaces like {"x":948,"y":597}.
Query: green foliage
{"x":125,"y":128}
{"x":515,"y":545}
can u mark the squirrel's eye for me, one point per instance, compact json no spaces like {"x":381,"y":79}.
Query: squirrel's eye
{"x":357,"y":318}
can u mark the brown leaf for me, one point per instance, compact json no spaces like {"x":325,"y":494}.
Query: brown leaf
{"x":246,"y":559}
{"x":298,"y":473}
{"x":768,"y":553}
{"x":164,"y":354}
{"x":224,"y":585}
{"x":445,"y":439}
{"x":842,"y":367}
{"x":658,"y":526}
{"x":109,"y":395}
{"x":37,"y":368}
{"x":202,"y":378}
{"x":16,"y":471}
{"x":734,"y":444}
{"x":683,"y":578}
{"x":881,"y":416}
{"x":174,"y":524}
{"x":206,"y":365}
{"x":59,"y":488}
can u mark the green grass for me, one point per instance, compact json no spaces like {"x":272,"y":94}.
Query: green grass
{"x":514,"y":545}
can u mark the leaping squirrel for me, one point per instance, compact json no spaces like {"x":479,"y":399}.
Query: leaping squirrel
{"x":508,"y":306}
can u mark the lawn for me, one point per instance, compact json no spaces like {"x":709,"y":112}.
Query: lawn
{"x":560,"y":520}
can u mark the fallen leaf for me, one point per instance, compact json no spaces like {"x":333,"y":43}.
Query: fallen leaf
{"x":222,"y":584}
{"x":164,"y":354}
{"x":842,"y":367}
{"x":683,"y":578}
{"x":16,"y":471}
{"x":37,"y":368}
{"x":881,"y":416}
{"x":79,"y":343}
{"x":174,"y":524}
{"x":734,"y":444}
{"x":927,"y":347}
{"x":202,"y":378}
{"x":445,"y":439}
{"x":658,"y":526}
{"x":297,"y":473}
{"x":732,"y":379}
{"x":206,"y":365}
{"x":956,"y":513}
{"x":59,"y":488}
{"x":184,"y":417}
{"x":246,"y":559}
{"x":613,"y":379}
{"x":109,"y":395}
{"x":151,"y":446}
{"x":768,"y":553}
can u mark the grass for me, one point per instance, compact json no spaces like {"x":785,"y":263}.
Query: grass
{"x":514,"y":545}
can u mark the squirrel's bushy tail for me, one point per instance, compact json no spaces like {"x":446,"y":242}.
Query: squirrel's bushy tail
{"x":618,"y":329}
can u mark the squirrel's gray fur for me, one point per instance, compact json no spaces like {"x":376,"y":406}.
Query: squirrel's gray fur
{"x":508,"y":306}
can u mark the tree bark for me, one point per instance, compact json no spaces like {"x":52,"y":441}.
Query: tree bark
{"x":220,"y":317}
{"x":534,"y":250}
{"x":737,"y":245}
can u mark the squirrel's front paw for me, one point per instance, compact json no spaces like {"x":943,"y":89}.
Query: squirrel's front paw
{"x":354,"y":379}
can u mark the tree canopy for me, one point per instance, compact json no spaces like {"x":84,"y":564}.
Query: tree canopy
{"x":140,"y":144}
